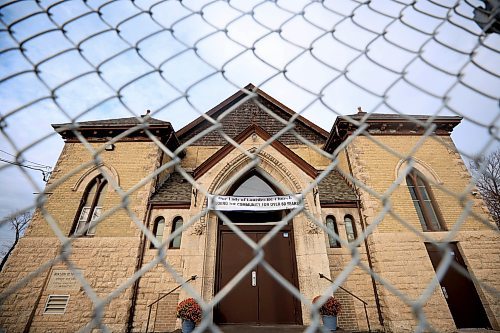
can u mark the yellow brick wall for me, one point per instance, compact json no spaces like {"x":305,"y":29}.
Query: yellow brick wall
{"x":132,"y":161}
{"x":402,"y":261}
{"x":29,"y":254}
{"x":195,"y":155}
{"x":106,"y":260}
{"x":158,"y":280}
{"x":376,"y":167}
{"x":358,"y":282}
{"x":398,"y":254}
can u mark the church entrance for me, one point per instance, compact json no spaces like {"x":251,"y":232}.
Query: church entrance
{"x":258,"y":298}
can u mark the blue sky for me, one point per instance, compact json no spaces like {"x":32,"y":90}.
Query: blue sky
{"x":107,"y":59}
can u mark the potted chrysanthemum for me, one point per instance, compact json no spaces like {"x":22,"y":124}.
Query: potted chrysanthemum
{"x":329,"y":311}
{"x":190,"y":312}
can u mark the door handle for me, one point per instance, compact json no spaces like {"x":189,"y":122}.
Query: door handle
{"x":254,"y":278}
{"x":444,"y":292}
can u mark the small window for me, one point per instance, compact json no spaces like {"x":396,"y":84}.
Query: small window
{"x":176,"y":242}
{"x":90,"y":207}
{"x":158,"y":229}
{"x":350,"y":228}
{"x":331,"y":225}
{"x":424,"y":202}
{"x":56,"y":304}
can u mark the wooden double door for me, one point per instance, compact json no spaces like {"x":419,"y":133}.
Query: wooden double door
{"x":258,"y":298}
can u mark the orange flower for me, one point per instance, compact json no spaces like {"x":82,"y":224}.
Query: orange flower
{"x":189,"y":309}
{"x":331,"y":307}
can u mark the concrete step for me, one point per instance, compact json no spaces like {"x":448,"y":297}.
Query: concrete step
{"x":300,"y":329}
{"x":269,"y":329}
{"x":476,"y":330}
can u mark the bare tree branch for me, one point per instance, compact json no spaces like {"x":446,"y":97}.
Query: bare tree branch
{"x":486,"y":172}
{"x":18,"y":224}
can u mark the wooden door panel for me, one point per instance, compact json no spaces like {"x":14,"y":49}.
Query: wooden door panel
{"x":276,"y":304}
{"x":241,"y":304}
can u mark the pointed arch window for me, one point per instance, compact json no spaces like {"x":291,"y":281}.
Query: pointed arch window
{"x":350,"y":228}
{"x":424,"y":202}
{"x":158,"y":229}
{"x":331,"y":225}
{"x":254,"y":183}
{"x":176,"y":225}
{"x":90,"y":207}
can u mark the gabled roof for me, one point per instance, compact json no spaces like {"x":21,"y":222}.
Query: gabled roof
{"x":222,"y":152}
{"x":284,"y":112}
{"x":387,"y":124}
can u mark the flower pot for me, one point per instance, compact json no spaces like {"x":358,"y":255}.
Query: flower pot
{"x":330,"y":322}
{"x":187,"y":326}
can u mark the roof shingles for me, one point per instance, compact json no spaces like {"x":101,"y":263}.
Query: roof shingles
{"x":334,"y":188}
{"x":174,"y":189}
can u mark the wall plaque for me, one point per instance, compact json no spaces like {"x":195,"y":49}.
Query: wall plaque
{"x":63,"y":279}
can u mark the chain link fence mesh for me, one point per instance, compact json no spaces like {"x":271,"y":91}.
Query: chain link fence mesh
{"x":72,"y":61}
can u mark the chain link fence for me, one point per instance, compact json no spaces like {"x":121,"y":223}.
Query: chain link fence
{"x":71,"y":61}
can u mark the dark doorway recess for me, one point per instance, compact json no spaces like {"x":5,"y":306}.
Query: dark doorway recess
{"x":254,"y":217}
{"x":258,"y":298}
{"x":459,"y":291}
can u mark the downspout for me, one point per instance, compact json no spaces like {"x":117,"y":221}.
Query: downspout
{"x":361,"y":220}
{"x":31,"y":317}
{"x":140,"y":255}
{"x":140,"y":259}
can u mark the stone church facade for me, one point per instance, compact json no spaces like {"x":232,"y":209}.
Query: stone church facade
{"x":401,"y":205}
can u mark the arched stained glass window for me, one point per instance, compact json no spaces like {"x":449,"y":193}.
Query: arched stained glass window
{"x":90,"y":207}
{"x":331,"y":225}
{"x":423,"y":200}
{"x":176,"y":242}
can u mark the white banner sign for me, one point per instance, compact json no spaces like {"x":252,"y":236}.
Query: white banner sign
{"x":222,"y":202}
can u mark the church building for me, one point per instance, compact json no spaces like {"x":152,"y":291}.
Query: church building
{"x":259,"y":209}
